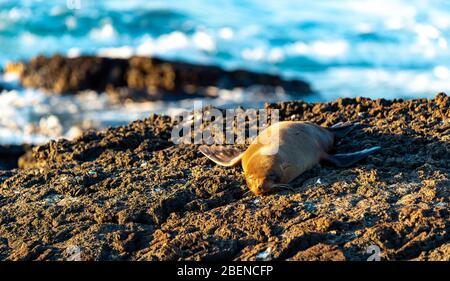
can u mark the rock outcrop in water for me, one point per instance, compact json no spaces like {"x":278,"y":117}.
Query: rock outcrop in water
{"x":128,"y":193}
{"x":142,"y":78}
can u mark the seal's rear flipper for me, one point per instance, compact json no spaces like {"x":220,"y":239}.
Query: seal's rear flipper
{"x":340,"y":129}
{"x":223,"y":155}
{"x":348,"y":159}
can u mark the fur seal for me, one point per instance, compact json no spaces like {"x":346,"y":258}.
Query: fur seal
{"x":283,"y":151}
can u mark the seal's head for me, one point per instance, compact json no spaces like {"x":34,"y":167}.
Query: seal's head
{"x":262,"y":174}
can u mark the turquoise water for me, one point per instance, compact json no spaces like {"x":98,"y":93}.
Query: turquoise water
{"x":393,"y":48}
{"x":389,"y":49}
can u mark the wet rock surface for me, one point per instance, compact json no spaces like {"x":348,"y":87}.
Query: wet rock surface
{"x":142,"y":78}
{"x":128,"y":193}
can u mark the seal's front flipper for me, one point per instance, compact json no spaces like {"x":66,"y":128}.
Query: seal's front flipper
{"x":223,"y":155}
{"x":340,"y":129}
{"x":348,"y":159}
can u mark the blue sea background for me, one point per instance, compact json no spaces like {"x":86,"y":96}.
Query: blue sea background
{"x":343,"y":48}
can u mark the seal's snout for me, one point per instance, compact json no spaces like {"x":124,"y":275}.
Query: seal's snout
{"x":261,"y":187}
{"x":266,"y":186}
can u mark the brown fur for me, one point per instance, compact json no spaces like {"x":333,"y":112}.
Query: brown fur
{"x":301,"y":146}
{"x":284,"y":151}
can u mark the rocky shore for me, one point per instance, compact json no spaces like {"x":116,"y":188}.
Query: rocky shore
{"x":142,"y":78}
{"x":128,"y":193}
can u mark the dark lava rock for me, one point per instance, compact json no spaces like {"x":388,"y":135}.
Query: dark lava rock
{"x":10,"y":154}
{"x":142,"y":77}
{"x":128,"y":193}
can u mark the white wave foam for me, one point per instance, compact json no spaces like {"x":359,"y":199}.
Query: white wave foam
{"x":104,"y":33}
{"x":165,"y":43}
{"x":31,"y":116}
{"x":441,"y":72}
{"x":383,"y":9}
{"x":203,"y":41}
{"x":17,"y":13}
{"x":70,"y":22}
{"x":255,"y":54}
{"x":276,"y":55}
{"x":325,"y":49}
{"x":121,"y":52}
{"x":73,"y":52}
{"x":320,"y":50}
{"x":226,"y":33}
{"x":171,"y":43}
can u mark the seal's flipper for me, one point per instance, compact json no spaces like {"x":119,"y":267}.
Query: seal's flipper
{"x":348,"y":159}
{"x":341,"y":129}
{"x":223,"y":155}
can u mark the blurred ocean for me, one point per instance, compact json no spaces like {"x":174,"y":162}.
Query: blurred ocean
{"x":343,"y":48}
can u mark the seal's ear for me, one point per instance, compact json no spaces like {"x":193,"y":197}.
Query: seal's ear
{"x":223,"y":155}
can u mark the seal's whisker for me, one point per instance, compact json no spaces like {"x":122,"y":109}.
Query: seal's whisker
{"x":246,"y":193}
{"x":283,"y":186}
